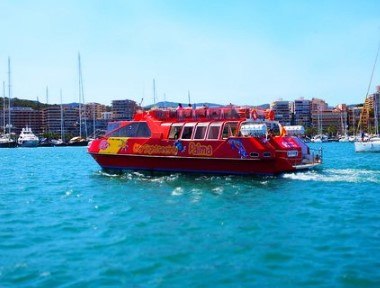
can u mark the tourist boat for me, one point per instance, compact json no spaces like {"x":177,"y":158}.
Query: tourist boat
{"x":206,"y":140}
{"x":27,"y":138}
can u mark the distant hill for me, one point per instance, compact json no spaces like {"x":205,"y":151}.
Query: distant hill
{"x":15,"y":102}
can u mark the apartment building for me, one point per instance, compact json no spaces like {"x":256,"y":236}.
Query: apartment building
{"x":283,"y":111}
{"x":302,"y":112}
{"x":22,"y":117}
{"x":123,"y":109}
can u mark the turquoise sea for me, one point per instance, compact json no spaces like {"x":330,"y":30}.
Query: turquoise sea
{"x":64,"y":223}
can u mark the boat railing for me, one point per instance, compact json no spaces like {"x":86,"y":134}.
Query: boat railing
{"x":205,"y":113}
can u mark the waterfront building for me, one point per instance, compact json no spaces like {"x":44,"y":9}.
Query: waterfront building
{"x":123,"y":109}
{"x":353,"y":117}
{"x":283,"y":111}
{"x":22,"y":117}
{"x":371,"y":106}
{"x":302,"y":112}
{"x":328,"y":120}
{"x":93,"y":110}
{"x":52,"y":119}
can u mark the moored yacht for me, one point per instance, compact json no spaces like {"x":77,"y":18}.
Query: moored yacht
{"x":27,"y":138}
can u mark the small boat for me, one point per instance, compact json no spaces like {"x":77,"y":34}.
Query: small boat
{"x":7,"y":142}
{"x":77,"y":141}
{"x":27,"y":138}
{"x":227,"y":140}
{"x":319,"y":138}
{"x":371,"y":144}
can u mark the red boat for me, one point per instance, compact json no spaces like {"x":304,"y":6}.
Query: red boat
{"x":225,"y":140}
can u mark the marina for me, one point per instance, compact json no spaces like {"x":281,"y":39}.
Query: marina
{"x":190,"y":144}
{"x":76,"y":225}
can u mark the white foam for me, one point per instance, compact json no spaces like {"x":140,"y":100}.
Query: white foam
{"x":337,"y":175}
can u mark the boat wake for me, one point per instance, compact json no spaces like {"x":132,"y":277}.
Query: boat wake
{"x":337,"y":175}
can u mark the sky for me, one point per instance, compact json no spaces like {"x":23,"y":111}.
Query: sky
{"x":241,"y":52}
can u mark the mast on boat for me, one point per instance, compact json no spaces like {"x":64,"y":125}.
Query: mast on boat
{"x":366,"y":97}
{"x":61,"y":117}
{"x":81,"y":98}
{"x":9,"y":97}
{"x":4,"y":127}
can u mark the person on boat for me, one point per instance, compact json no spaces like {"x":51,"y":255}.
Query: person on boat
{"x":180,"y":111}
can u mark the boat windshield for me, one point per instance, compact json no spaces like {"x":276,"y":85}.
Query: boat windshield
{"x":229,"y":129}
{"x":134,"y":129}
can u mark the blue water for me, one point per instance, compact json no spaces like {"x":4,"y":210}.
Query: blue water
{"x":64,"y":223}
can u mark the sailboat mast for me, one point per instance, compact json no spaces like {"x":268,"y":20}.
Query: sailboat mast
{"x":4,"y":107}
{"x":366,"y":96}
{"x":61,"y":116}
{"x":376,"y":102}
{"x":9,"y":96}
{"x":80,"y":97}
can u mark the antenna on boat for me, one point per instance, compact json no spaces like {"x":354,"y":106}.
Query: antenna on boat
{"x":188,"y":97}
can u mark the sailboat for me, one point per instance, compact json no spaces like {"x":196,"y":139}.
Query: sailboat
{"x":344,"y":137}
{"x":79,"y":140}
{"x":372,"y":142}
{"x":6,"y":140}
{"x":320,"y":137}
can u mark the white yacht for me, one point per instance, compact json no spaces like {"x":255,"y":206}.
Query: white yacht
{"x":370,"y":145}
{"x":27,"y":138}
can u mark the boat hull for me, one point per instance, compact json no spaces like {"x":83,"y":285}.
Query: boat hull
{"x":28,"y":143}
{"x":194,"y":164}
{"x":8,"y":144}
{"x":369,"y":146}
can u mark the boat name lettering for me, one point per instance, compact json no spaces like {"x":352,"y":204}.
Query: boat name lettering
{"x":199,"y":149}
{"x":154,"y":149}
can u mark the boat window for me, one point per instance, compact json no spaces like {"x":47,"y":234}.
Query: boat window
{"x":273,"y":127}
{"x":213,"y":131}
{"x":200,"y":131}
{"x":229,"y":129}
{"x":175,"y":131}
{"x":187,"y":131}
{"x":134,"y":129}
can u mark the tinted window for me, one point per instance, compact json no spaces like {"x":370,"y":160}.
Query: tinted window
{"x":200,"y":132}
{"x":229,"y":129}
{"x":175,"y":131}
{"x":213,"y":132}
{"x":136,"y":129}
{"x":186,"y":134}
